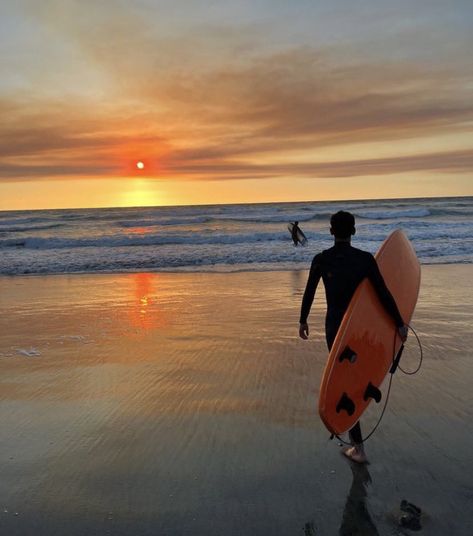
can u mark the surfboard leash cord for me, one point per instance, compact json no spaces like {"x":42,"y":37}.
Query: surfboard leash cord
{"x":421,"y":358}
{"x":396,"y":357}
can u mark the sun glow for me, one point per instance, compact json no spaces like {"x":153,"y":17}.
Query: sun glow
{"x":140,"y":165}
{"x":138,"y":192}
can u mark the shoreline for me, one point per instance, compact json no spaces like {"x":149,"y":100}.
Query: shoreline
{"x":191,"y":271}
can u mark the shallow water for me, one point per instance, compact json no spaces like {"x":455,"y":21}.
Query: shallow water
{"x":185,"y":404}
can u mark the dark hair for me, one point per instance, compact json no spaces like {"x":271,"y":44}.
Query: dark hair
{"x":342,"y":224}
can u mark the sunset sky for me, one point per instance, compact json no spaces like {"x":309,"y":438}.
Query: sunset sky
{"x":233,"y":101}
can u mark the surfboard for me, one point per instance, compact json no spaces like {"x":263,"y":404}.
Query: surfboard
{"x":301,"y":237}
{"x":367,"y":340}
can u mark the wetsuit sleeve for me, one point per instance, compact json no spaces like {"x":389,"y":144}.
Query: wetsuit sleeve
{"x":384,"y":295}
{"x":311,"y":287}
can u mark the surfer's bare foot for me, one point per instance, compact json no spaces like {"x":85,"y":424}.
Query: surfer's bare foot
{"x":355,"y":453}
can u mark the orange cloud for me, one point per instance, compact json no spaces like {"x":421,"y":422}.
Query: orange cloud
{"x":219,"y":105}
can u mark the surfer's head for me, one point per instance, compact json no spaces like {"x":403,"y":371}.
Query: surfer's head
{"x":342,"y":225}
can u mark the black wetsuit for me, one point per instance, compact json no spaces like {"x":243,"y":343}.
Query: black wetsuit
{"x":342,"y":268}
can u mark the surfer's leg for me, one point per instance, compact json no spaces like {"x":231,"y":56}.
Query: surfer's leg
{"x":330,"y":334}
{"x":332,"y":323}
{"x":356,"y":452}
{"x":355,"y":434}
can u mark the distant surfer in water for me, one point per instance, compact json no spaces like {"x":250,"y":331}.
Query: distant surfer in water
{"x":342,"y":268}
{"x":295,"y":228}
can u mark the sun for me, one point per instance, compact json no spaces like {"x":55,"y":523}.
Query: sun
{"x":140,"y":165}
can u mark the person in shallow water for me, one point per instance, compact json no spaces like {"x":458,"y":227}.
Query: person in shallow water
{"x":342,"y":268}
{"x":295,"y":228}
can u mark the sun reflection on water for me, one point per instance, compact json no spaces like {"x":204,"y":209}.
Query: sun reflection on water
{"x":144,"y":312}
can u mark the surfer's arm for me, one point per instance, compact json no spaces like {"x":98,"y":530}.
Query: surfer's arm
{"x":384,"y":295}
{"x":309,"y":293}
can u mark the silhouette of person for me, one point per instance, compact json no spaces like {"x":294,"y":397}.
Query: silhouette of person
{"x":295,"y":228}
{"x":342,"y":268}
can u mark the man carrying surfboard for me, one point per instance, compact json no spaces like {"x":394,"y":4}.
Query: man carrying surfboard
{"x":342,"y":268}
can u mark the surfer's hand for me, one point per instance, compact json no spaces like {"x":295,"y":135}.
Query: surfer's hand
{"x":304,"y":331}
{"x":402,"y":332}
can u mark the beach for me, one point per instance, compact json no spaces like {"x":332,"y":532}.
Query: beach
{"x":185,"y":403}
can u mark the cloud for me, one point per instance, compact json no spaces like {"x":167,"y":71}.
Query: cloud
{"x":216,"y":102}
{"x":303,"y":95}
{"x":452,"y":162}
{"x":64,"y":170}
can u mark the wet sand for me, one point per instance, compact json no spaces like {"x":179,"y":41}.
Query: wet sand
{"x":174,"y":404}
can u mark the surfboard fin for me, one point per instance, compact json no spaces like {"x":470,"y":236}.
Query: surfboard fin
{"x":346,"y":403}
{"x":349,"y":354}
{"x":372,"y":392}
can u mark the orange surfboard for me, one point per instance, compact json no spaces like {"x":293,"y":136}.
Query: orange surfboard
{"x":367,"y":339}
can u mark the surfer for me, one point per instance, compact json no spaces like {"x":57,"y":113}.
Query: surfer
{"x":342,"y":268}
{"x":295,"y":228}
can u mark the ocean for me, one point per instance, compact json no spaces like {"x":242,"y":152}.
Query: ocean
{"x":222,"y":238}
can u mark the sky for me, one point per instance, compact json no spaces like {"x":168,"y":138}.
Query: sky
{"x":233,"y":101}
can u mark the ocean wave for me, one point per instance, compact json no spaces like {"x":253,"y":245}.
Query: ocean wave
{"x":393,"y":214}
{"x":20,"y":221}
{"x":27,"y":228}
{"x":164,"y":222}
{"x":197,"y":258}
{"x":274,"y":218}
{"x":311,"y":214}
{"x":246,"y":214}
{"x":462,"y":211}
{"x":363,"y":214}
{"x":367,"y":233}
{"x":50,"y":243}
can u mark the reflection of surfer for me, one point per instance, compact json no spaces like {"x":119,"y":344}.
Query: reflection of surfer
{"x":342,"y":268}
{"x":356,"y":518}
{"x":295,"y":228}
